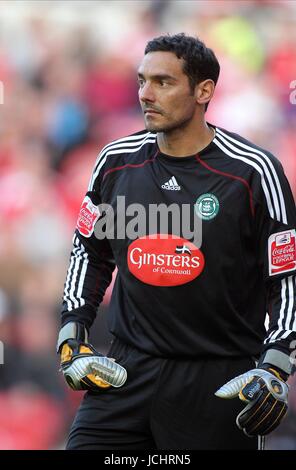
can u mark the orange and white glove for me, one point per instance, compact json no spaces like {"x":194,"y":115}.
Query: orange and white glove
{"x":83,"y":367}
{"x":266,"y":395}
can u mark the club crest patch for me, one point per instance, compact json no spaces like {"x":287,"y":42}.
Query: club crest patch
{"x":88,"y":215}
{"x":282,"y":252}
{"x":207,"y":206}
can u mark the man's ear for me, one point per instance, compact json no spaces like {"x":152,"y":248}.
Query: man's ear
{"x":204,"y":91}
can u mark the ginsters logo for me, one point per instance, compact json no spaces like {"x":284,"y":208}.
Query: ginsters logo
{"x":164,"y":260}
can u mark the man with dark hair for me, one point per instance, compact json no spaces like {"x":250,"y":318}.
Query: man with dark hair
{"x":199,"y":62}
{"x":190,"y":298}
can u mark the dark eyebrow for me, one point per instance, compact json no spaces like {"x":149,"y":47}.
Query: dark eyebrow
{"x":159,"y":76}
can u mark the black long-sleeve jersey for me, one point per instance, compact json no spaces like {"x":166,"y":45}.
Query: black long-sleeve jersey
{"x":174,"y":297}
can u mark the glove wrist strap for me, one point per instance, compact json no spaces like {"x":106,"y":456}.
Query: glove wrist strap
{"x":277,"y":360}
{"x":72,"y":330}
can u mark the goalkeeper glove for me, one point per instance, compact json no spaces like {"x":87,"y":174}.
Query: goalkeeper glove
{"x":83,"y":367}
{"x":266,"y":395}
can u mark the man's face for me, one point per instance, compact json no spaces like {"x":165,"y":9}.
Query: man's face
{"x":164,"y":92}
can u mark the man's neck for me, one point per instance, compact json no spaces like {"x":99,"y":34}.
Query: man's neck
{"x":183,"y":142}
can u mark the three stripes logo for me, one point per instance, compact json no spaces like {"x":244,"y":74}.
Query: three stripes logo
{"x":171,"y":185}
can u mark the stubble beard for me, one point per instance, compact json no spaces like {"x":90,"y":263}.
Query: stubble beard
{"x":169,"y":127}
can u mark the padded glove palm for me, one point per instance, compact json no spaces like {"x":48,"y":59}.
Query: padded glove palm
{"x":85,"y":368}
{"x":266,"y":395}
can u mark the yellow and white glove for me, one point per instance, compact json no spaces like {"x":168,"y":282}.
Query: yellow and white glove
{"x":83,"y":367}
{"x":266,"y":395}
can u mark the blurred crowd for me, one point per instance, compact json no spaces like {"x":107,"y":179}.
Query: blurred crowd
{"x":69,"y":87}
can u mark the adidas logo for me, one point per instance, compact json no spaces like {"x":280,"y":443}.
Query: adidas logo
{"x":171,"y":185}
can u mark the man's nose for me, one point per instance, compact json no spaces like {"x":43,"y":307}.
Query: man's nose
{"x":146,"y":93}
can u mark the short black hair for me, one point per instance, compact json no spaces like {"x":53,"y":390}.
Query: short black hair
{"x":200,"y":62}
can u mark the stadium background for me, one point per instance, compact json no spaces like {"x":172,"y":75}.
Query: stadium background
{"x":69,"y":86}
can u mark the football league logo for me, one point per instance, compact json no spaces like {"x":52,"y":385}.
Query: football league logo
{"x":88,"y":215}
{"x":282,"y":252}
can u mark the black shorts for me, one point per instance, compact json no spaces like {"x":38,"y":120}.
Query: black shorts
{"x":165,"y":404}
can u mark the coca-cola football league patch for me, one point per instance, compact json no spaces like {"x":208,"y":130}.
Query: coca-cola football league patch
{"x":282,"y":252}
{"x":88,"y":215}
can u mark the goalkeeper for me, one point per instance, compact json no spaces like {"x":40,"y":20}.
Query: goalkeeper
{"x":191,"y":365}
